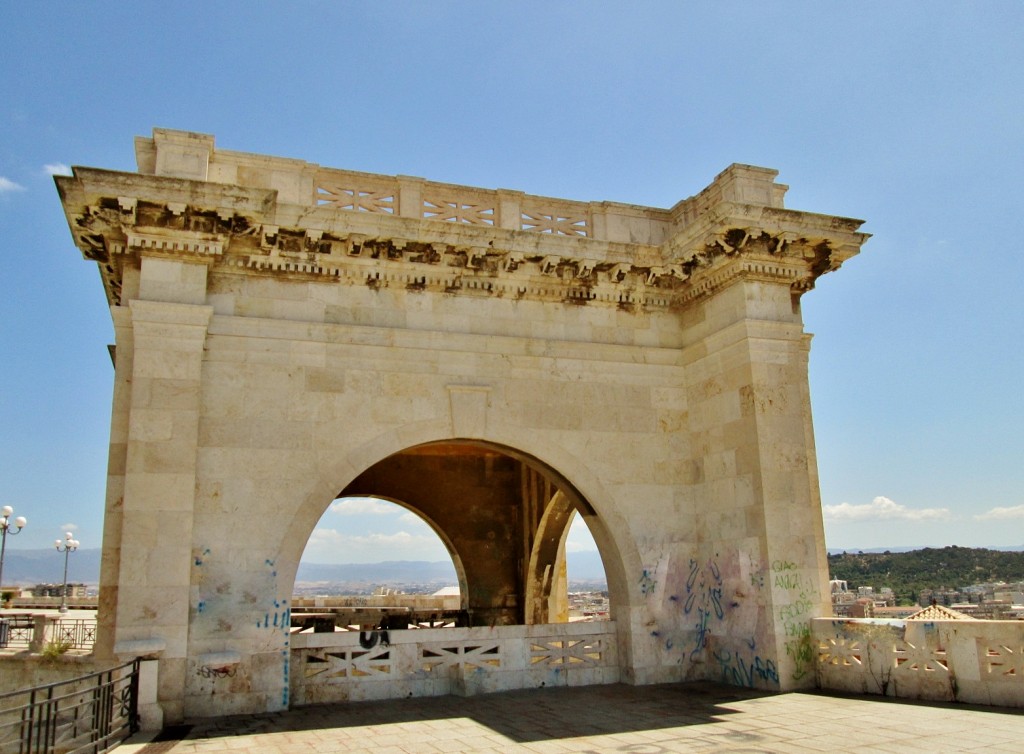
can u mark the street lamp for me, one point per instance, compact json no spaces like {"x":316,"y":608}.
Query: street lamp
{"x":67,"y":546}
{"x":5,"y":529}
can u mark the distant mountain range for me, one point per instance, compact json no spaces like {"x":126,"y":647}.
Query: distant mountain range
{"x":27,"y":567}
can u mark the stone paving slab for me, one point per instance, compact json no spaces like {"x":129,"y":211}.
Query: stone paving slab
{"x":664,"y":719}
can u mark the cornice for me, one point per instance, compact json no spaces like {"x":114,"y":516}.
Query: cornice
{"x":118,"y":217}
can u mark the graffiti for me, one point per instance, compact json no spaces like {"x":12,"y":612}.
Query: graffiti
{"x":207,"y":671}
{"x":703,"y":595}
{"x":795,"y":616}
{"x":795,"y":610}
{"x":704,"y":587}
{"x":786,"y":576}
{"x":369,"y":639}
{"x":801,"y":651}
{"x":737,"y":672}
{"x":647,"y":583}
{"x":701,"y":642}
{"x":787,"y":580}
{"x":277,"y":619}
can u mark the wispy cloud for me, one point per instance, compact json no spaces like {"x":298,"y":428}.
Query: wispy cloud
{"x":1000,"y":514}
{"x":56,"y":168}
{"x":362,"y":506}
{"x":330,"y":545}
{"x":69,"y":527}
{"x":413,"y":521}
{"x":572,"y":545}
{"x":7,"y":186}
{"x":883,"y":509}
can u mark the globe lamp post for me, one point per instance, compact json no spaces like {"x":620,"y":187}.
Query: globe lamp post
{"x":67,"y":546}
{"x":8,"y":527}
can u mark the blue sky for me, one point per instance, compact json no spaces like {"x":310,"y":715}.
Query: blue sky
{"x":910,"y":116}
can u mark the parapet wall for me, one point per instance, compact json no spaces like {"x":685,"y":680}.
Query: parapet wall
{"x":976,"y":661}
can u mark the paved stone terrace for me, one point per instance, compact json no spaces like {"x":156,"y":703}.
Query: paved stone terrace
{"x":641,"y":720}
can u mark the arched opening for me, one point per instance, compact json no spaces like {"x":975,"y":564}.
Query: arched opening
{"x":586,"y":577}
{"x":502,"y":516}
{"x":373,"y":562}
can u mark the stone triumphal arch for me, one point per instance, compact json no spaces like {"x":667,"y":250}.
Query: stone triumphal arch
{"x":287,"y":334}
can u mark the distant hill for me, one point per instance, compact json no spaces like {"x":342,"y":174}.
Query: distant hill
{"x":907,"y":573}
{"x":28,"y":567}
{"x":388,"y":572}
{"x":46,"y":566}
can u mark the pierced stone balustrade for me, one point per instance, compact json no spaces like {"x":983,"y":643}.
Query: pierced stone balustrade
{"x":349,"y":666}
{"x":976,"y":661}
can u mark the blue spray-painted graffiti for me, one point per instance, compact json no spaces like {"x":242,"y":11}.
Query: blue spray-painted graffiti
{"x":703,"y":593}
{"x":736,"y":671}
{"x":277,"y":619}
{"x":647,"y":582}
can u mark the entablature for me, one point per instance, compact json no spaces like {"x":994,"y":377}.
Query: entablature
{"x":265,"y":215}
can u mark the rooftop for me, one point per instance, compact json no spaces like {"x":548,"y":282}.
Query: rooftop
{"x":611,"y":718}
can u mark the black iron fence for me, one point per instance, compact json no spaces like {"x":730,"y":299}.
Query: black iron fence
{"x":18,"y":630}
{"x":92,"y":713}
{"x":75,"y":633}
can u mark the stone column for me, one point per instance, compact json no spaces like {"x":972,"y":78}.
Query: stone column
{"x":758,"y":577}
{"x":110,"y":563}
{"x":154,"y":558}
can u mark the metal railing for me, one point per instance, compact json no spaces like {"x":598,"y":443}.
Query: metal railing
{"x":16,"y":631}
{"x":92,"y":713}
{"x":76,"y":633}
{"x":19,"y":631}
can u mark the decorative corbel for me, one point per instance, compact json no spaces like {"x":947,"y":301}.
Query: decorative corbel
{"x":549,"y":265}
{"x":735,"y":245}
{"x":512,"y":260}
{"x":782,"y":241}
{"x":354,"y":244}
{"x":268,"y":236}
{"x":128,"y":205}
{"x":475,"y":258}
{"x":618,"y":273}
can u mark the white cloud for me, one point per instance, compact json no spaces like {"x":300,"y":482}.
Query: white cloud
{"x":362,"y":506}
{"x":69,"y":527}
{"x":56,"y":168}
{"x":999,"y":514}
{"x":575,"y":546}
{"x":333,"y":546}
{"x":9,"y":186}
{"x":883,"y":509}
{"x":580,"y":538}
{"x":412,"y":520}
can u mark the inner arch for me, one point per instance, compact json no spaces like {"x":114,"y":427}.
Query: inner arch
{"x":502,"y":513}
{"x":385,"y":543}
